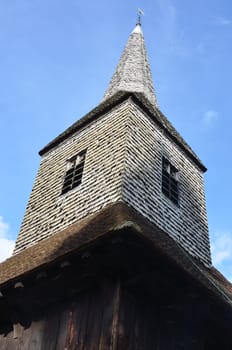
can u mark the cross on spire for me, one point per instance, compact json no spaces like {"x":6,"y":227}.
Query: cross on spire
{"x":140,"y":13}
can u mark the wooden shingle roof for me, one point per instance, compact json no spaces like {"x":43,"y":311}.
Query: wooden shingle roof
{"x":153,"y":112}
{"x":112,"y":219}
{"x":133,"y":71}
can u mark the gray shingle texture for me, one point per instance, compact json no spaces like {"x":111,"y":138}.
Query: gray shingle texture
{"x":133,"y":71}
{"x":48,"y":210}
{"x":123,"y":163}
{"x":142,"y":183}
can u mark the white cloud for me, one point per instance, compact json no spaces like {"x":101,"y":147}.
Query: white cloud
{"x":222,"y":248}
{"x":220,"y":21}
{"x":6,"y":248}
{"x":209,"y":117}
{"x":4,"y":227}
{"x":6,"y":244}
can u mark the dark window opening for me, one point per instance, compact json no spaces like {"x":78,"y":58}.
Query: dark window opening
{"x":74,"y":172}
{"x":170,"y":183}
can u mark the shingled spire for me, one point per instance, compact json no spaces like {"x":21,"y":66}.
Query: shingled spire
{"x":133,"y":71}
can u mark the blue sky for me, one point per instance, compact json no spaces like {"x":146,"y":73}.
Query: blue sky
{"x":57,"y":58}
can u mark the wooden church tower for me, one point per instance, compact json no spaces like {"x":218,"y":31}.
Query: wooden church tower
{"x":113,"y":252}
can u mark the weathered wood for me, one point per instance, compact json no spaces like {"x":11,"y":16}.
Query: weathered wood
{"x":107,"y":316}
{"x":83,"y":321}
{"x":37,"y":333}
{"x":63,"y":328}
{"x":25,"y":340}
{"x":3,"y":342}
{"x":112,"y":318}
{"x":17,"y":330}
{"x":71,"y":328}
{"x":51,"y":327}
{"x":115,"y":321}
{"x":126,"y":323}
{"x":12,"y":343}
{"x":92,"y":310}
{"x":151,"y":326}
{"x":94,"y":320}
{"x":140,"y":326}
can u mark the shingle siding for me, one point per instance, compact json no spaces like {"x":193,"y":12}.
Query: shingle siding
{"x":48,"y":211}
{"x":142,"y":185}
{"x":123,"y":163}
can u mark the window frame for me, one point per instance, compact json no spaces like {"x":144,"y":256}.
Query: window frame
{"x":170,"y":181}
{"x":74,"y":172}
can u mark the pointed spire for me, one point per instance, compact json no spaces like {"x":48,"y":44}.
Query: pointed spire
{"x":133,"y":71}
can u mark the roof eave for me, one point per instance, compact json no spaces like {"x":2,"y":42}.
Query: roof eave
{"x":154,"y":113}
{"x":116,"y":217}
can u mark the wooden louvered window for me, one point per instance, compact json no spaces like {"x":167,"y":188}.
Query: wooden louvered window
{"x":74,"y":172}
{"x":170,"y":183}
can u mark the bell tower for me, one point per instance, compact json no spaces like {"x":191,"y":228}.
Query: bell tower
{"x":125,"y":150}
{"x":113,"y":252}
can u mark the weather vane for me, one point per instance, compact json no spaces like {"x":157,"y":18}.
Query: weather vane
{"x":140,"y":13}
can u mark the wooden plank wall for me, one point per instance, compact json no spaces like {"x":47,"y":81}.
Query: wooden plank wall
{"x":84,"y":323}
{"x":107,"y":318}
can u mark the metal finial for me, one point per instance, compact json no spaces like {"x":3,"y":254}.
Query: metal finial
{"x":140,"y":13}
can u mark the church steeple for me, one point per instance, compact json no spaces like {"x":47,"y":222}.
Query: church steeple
{"x":133,"y":71}
{"x":113,"y":251}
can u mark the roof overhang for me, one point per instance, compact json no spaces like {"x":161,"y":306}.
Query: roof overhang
{"x":138,"y":98}
{"x":113,"y":220}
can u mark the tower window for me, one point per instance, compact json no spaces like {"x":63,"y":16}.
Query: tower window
{"x":74,"y":172}
{"x":170,"y":183}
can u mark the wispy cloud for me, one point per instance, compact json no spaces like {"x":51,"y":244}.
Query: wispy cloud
{"x":222,"y":248}
{"x":6,"y":244}
{"x":173,"y":33}
{"x":200,"y":48}
{"x":210,"y":117}
{"x":220,"y":21}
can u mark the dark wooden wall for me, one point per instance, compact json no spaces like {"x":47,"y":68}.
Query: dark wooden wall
{"x":84,"y":323}
{"x":106,"y":298}
{"x":110,"y":317}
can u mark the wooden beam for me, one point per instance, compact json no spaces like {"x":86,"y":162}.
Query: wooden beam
{"x":19,"y":285}
{"x":17,"y":330}
{"x":115,"y":321}
{"x":42,"y":274}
